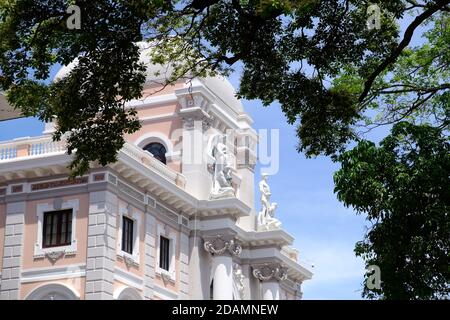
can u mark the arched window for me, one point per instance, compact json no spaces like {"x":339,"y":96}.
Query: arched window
{"x":157,"y":150}
{"x":53,"y":291}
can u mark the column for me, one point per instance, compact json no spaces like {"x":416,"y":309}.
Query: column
{"x":101,"y":252}
{"x":222,"y":249}
{"x":12,"y":252}
{"x":270,"y":290}
{"x":270,"y":276}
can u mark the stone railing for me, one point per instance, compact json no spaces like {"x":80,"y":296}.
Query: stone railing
{"x":148,"y":160}
{"x":25,"y":147}
{"x":45,"y":146}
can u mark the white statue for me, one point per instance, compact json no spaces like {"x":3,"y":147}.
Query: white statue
{"x":221,"y":169}
{"x":266,"y":217}
{"x":239,"y":281}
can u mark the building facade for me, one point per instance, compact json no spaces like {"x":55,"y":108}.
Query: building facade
{"x":173,"y":218}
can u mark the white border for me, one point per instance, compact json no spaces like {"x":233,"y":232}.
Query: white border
{"x":136,"y":217}
{"x":52,"y":273}
{"x":172,"y":236}
{"x":126,"y":293}
{"x":64,"y":290}
{"x":159,"y":137}
{"x":40,"y":252}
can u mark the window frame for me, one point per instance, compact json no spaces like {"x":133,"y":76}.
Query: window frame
{"x":163,"y":258}
{"x":172,"y":236}
{"x":134,"y":215}
{"x":41,"y":208}
{"x":127,"y":234}
{"x":59,"y":215}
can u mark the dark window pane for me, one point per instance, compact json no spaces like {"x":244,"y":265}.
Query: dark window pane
{"x":164,"y":250}
{"x":127,"y":235}
{"x":57,"y":229}
{"x":157,"y":150}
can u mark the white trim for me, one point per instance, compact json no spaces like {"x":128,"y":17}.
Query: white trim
{"x":159,"y":117}
{"x":53,"y":273}
{"x":40,"y":252}
{"x":64,"y":290}
{"x":172,"y":236}
{"x":136,"y":217}
{"x":128,"y":278}
{"x":126,"y":293}
{"x":164,"y":293}
{"x":155,"y":136}
{"x":151,"y":100}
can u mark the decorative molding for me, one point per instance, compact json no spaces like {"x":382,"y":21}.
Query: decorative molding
{"x":267,"y":272}
{"x":53,"y":291}
{"x":132,"y":192}
{"x":58,"y":183}
{"x":126,"y":293}
{"x":98,"y":177}
{"x":53,"y":256}
{"x":193,"y":115}
{"x":128,"y":278}
{"x":53,"y":273}
{"x":151,"y":101}
{"x":164,"y":293}
{"x":150,"y":137}
{"x":219,"y":245}
{"x":18,"y":188}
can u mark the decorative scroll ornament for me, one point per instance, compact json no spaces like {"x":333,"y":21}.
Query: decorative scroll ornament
{"x":219,"y":245}
{"x":129,"y":261}
{"x":53,"y":256}
{"x":270,"y":272}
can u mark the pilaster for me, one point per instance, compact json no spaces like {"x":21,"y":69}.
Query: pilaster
{"x":101,"y":252}
{"x":12,"y":253}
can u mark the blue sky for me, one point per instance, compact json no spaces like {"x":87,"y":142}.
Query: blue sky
{"x":325,"y":231}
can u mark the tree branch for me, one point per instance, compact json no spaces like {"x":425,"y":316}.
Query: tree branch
{"x":439,"y":5}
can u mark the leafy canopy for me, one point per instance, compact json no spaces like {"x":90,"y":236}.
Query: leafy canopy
{"x":403,"y":188}
{"x":294,"y":52}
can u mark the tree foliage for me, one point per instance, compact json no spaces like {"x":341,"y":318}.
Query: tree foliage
{"x":294,"y":52}
{"x":403,"y":188}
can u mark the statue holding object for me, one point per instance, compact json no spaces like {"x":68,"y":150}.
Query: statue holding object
{"x":266,"y":217}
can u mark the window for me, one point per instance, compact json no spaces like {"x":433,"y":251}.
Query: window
{"x":57,"y":228}
{"x":127,"y":235}
{"x":164,"y":250}
{"x":157,"y":150}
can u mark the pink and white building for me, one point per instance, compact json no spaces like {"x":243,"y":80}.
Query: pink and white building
{"x":166,"y":221}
